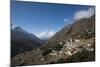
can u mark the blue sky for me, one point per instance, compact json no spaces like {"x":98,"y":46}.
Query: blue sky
{"x":38,"y":17}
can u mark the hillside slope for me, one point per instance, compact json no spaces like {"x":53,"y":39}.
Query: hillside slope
{"x":84,"y":28}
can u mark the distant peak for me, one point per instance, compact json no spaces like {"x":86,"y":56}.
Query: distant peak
{"x":45,"y":34}
{"x":18,"y":28}
{"x":14,"y":26}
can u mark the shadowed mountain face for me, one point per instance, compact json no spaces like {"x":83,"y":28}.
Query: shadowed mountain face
{"x":18,"y":34}
{"x":84,"y":28}
{"x":22,"y":41}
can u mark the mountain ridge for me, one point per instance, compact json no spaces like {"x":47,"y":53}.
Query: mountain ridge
{"x":22,"y":41}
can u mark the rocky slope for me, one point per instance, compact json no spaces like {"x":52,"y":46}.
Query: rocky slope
{"x":67,"y":51}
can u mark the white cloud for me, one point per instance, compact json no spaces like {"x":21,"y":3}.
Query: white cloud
{"x":66,"y":20}
{"x":45,"y":34}
{"x":84,"y":14}
{"x":81,"y":15}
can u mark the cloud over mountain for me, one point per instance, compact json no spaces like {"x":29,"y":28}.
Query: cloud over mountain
{"x":45,"y":34}
{"x":84,"y":14}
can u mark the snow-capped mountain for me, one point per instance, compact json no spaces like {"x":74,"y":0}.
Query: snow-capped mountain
{"x":45,"y":35}
{"x":22,"y":41}
{"x":18,"y":28}
{"x":17,"y":32}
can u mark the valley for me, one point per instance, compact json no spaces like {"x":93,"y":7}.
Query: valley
{"x":73,"y":43}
